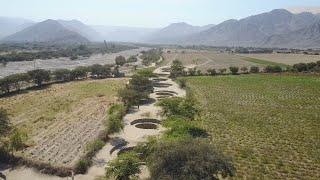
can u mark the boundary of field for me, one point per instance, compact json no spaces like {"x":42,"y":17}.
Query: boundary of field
{"x":263,"y":62}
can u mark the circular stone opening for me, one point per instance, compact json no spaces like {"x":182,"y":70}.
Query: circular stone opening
{"x":166,"y":91}
{"x":162,"y":85}
{"x":146,"y":120}
{"x":165,"y":94}
{"x":159,"y":79}
{"x":146,"y":126}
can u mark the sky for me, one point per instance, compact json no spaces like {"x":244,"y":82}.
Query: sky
{"x":144,"y":13}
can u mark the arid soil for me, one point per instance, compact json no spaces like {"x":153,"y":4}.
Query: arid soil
{"x":60,"y":120}
{"x":52,"y":64}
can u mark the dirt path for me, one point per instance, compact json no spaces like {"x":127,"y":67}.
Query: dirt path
{"x":147,"y":116}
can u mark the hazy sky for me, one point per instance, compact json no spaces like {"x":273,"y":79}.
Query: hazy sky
{"x":144,"y":13}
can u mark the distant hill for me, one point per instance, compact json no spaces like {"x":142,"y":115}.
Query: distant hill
{"x":10,"y":25}
{"x":308,"y":37}
{"x":174,"y":32}
{"x":123,"y":34}
{"x":47,"y":31}
{"x":83,"y":29}
{"x":251,"y":31}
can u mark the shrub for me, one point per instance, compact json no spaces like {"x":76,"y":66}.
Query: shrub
{"x":79,"y":73}
{"x":254,"y":69}
{"x":212,"y":72}
{"x":62,"y":75}
{"x":192,"y":71}
{"x":273,"y":69}
{"x":182,"y":83}
{"x":176,"y":69}
{"x":82,"y":166}
{"x":189,"y":159}
{"x":124,"y":167}
{"x":115,"y":116}
{"x":4,"y":122}
{"x":99,"y":71}
{"x":181,"y":129}
{"x":244,"y":69}
{"x":94,"y":147}
{"x":148,"y":73}
{"x":132,"y":59}
{"x":223,"y":70}
{"x":39,"y":76}
{"x":234,"y":70}
{"x":17,"y":140}
{"x":179,"y":107}
{"x":120,"y":60}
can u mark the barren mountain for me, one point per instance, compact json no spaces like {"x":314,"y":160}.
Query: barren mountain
{"x":308,"y":37}
{"x":83,"y":29}
{"x":253,"y":30}
{"x":47,"y":31}
{"x":174,"y":32}
{"x":10,"y":26}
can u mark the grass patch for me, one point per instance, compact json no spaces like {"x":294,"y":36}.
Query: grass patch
{"x":268,"y":123}
{"x":265,"y":62}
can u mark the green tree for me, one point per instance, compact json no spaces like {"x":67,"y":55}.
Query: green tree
{"x":131,"y":97}
{"x":234,"y":70}
{"x":176,"y":69}
{"x":132,"y":59}
{"x":79,"y":73}
{"x":222,"y":70}
{"x":126,"y":166}
{"x":100,"y":71}
{"x":244,"y":69}
{"x":140,"y":83}
{"x":212,"y":72}
{"x":62,"y":75}
{"x":190,"y":159}
{"x":254,"y":69}
{"x":39,"y":76}
{"x":120,"y":60}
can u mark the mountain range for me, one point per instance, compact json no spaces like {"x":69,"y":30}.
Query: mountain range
{"x":277,"y":28}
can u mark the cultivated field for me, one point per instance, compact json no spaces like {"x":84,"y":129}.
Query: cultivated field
{"x":288,"y":59}
{"x":61,"y":119}
{"x":207,"y":59}
{"x":268,"y":124}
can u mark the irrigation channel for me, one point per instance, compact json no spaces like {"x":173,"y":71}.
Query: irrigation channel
{"x":139,"y":124}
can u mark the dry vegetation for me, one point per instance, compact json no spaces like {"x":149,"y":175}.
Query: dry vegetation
{"x":288,"y":59}
{"x":269,"y":124}
{"x":61,"y":119}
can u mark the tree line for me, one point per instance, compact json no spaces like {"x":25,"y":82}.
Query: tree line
{"x":177,"y":69}
{"x":72,"y":52}
{"x":39,"y":77}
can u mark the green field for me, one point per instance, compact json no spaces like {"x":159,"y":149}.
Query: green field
{"x":265,"y":62}
{"x":268,"y":124}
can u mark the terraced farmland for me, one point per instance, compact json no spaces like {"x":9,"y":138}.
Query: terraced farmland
{"x":60,"y":120}
{"x":269,"y":124}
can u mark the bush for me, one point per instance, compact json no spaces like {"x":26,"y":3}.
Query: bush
{"x":223,"y":70}
{"x":189,"y":159}
{"x":176,"y":69}
{"x":115,"y":116}
{"x":182,"y":83}
{"x":254,"y":69}
{"x":99,"y":71}
{"x":4,"y":122}
{"x":124,"y":167}
{"x":179,"y":107}
{"x":62,"y":75}
{"x":132,"y":59}
{"x":82,"y":166}
{"x":234,"y":70}
{"x":120,"y":60}
{"x":212,"y":72}
{"x":94,"y":147}
{"x":39,"y":76}
{"x":181,"y":129}
{"x":148,"y":73}
{"x":244,"y":69}
{"x":273,"y":69}
{"x":79,"y":73}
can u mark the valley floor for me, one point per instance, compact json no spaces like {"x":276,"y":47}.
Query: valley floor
{"x":268,"y":124}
